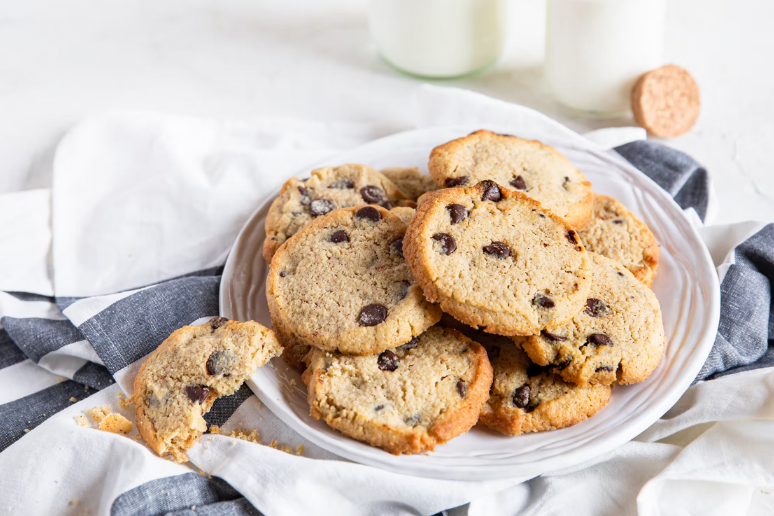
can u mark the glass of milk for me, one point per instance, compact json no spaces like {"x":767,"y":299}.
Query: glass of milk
{"x":438,"y":38}
{"x":597,"y":49}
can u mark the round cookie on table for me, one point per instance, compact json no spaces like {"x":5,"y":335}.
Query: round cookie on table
{"x":178,"y":383}
{"x":410,"y":181}
{"x":616,"y":233}
{"x":619,"y":336}
{"x":526,"y":397}
{"x":524,"y":165}
{"x":405,"y":400}
{"x":342,"y":284}
{"x":497,"y":260}
{"x":302,"y":200}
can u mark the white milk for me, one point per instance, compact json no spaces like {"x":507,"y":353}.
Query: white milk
{"x":596,"y":50}
{"x":438,"y":38}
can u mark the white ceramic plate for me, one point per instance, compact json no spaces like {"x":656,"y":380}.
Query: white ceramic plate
{"x":686,"y":286}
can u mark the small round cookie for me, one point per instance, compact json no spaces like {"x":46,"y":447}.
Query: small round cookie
{"x":526,"y":397}
{"x":341,"y":283}
{"x":178,"y":383}
{"x":616,"y":233}
{"x":666,"y":101}
{"x":619,"y":335}
{"x":404,"y":213}
{"x":495,"y":258}
{"x":528,"y":166}
{"x":410,"y":181}
{"x":301,"y":201}
{"x":404,"y":400}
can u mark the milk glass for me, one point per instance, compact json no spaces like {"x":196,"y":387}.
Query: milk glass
{"x":597,"y":49}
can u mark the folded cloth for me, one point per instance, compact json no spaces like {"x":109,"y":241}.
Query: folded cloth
{"x":144,"y":210}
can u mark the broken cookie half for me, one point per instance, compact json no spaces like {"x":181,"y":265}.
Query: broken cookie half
{"x":178,"y":383}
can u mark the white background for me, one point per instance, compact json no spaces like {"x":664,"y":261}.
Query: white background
{"x":62,"y":61}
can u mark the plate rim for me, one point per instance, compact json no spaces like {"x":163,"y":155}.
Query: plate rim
{"x":584,"y":452}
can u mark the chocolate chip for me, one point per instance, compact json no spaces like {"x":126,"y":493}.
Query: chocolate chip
{"x":521,"y":396}
{"x":413,"y":420}
{"x":618,"y":221}
{"x":552,"y":336}
{"x":306,"y":197}
{"x":532,"y":407}
{"x":543,"y":301}
{"x":600,"y":339}
{"x":217,"y":323}
{"x":536,"y":370}
{"x":197,"y":393}
{"x":222,"y":362}
{"x":283,"y":274}
{"x":456,"y":181}
{"x":388,"y":361}
{"x":387,"y":205}
{"x":448,"y":245}
{"x":490,"y":191}
{"x":321,"y":207}
{"x":378,"y":408}
{"x":494,"y":353}
{"x":607,"y":368}
{"x":397,"y":247}
{"x":343,"y":184}
{"x":369,"y":213}
{"x":572,"y":237}
{"x":405,"y":285}
{"x":457,"y":212}
{"x":541,"y":215}
{"x":498,"y":250}
{"x":564,"y":363}
{"x":519,"y":183}
{"x":564,"y":183}
{"x":621,"y":274}
{"x":339,"y":237}
{"x":371,"y":315}
{"x":410,"y":344}
{"x":596,"y":308}
{"x":462,"y":388}
{"x":372,"y":194}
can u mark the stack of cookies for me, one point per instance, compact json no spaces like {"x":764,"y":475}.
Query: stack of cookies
{"x":513,"y":296}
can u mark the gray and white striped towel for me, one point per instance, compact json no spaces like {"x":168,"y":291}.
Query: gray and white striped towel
{"x":56,"y":350}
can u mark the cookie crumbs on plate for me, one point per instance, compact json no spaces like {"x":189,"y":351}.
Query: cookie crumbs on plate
{"x":81,"y":421}
{"x":115,"y":424}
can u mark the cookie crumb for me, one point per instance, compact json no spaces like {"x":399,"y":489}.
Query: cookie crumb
{"x":98,"y":413}
{"x":123,"y":401}
{"x":115,"y":424}
{"x":258,"y":402}
{"x":300,"y":449}
{"x":59,"y":379}
{"x":286,"y":449}
{"x":274,"y":445}
{"x":73,"y":399}
{"x":81,"y":421}
{"x":26,"y":430}
{"x":251,"y":437}
{"x":73,"y":502}
{"x":293,"y":382}
{"x":215,"y":429}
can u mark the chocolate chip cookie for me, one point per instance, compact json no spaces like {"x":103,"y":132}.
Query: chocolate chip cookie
{"x":616,"y":233}
{"x":496,"y":259}
{"x":410,"y":181}
{"x":178,"y":383}
{"x":341,"y":283}
{"x":526,"y":397}
{"x":619,"y":334}
{"x":527,"y":166}
{"x":403,"y":400}
{"x":302,"y":200}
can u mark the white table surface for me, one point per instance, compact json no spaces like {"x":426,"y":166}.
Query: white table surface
{"x":62,"y":61}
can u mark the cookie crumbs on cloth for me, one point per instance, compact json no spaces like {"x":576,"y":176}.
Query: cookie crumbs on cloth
{"x":81,"y":421}
{"x":98,"y":413}
{"x":116,"y":424}
{"x":252,"y":436}
{"x":123,"y":401}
